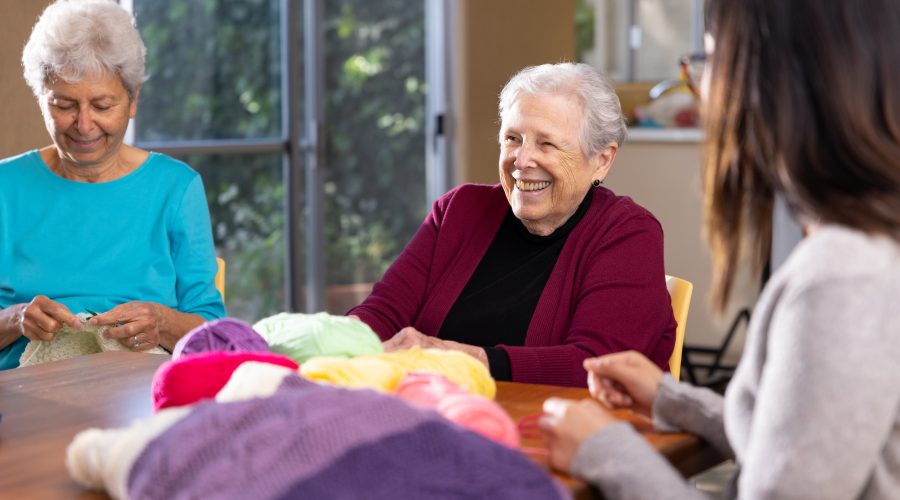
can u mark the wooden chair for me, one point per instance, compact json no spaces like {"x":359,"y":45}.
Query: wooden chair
{"x":680,"y":291}
{"x":220,"y":277}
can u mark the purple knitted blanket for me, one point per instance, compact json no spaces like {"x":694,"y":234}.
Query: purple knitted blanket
{"x":313,"y":441}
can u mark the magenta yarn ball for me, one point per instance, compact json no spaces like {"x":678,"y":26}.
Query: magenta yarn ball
{"x":226,"y":334}
{"x":197,"y":376}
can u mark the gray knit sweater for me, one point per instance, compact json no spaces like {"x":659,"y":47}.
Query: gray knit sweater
{"x":813,"y":410}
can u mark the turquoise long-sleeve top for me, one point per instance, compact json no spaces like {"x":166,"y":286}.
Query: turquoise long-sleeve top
{"x":143,"y":237}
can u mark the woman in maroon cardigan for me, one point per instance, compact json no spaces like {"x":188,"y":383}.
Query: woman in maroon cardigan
{"x":547,"y":268}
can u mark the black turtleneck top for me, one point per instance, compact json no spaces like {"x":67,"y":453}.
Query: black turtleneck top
{"x":497,"y":303}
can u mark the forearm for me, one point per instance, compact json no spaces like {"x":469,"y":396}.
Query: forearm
{"x":174,"y":324}
{"x":554,"y":365}
{"x":682,"y":407}
{"x":10,"y":324}
{"x":382,"y":325}
{"x":621,"y":464}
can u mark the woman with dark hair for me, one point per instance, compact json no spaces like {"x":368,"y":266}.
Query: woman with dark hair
{"x":801,"y":99}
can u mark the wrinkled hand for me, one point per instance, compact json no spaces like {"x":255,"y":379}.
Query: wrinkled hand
{"x":566,"y":424}
{"x":136,"y":325}
{"x":41,"y":318}
{"x":624,"y":380}
{"x":410,"y":337}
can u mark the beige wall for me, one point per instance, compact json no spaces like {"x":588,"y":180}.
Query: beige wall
{"x":495,"y":39}
{"x":23,"y":128}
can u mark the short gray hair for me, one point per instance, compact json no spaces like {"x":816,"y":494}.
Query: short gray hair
{"x":602,"y":121}
{"x":76,"y":38}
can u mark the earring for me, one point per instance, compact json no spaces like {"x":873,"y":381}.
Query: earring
{"x":596,"y":183}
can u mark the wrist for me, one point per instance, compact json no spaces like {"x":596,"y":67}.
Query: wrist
{"x":11,"y":324}
{"x":481,"y":355}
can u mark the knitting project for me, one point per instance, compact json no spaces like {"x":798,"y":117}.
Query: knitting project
{"x":305,"y":440}
{"x":71,"y":342}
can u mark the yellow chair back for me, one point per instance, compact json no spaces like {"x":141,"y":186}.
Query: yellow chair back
{"x":680,"y":291}
{"x":220,"y":277}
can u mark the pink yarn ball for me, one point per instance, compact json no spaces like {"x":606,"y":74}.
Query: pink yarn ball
{"x":426,"y":390}
{"x":226,"y":334}
{"x":193,"y":377}
{"x":480,"y":415}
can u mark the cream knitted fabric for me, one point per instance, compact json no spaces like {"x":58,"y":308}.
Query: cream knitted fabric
{"x":70,"y":342}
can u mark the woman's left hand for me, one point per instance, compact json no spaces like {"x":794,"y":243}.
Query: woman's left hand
{"x":410,"y":337}
{"x":567,"y":423}
{"x":136,"y":325}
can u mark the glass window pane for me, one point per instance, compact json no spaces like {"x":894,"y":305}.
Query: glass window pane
{"x":246,"y":201}
{"x":667,"y":30}
{"x":374,"y":177}
{"x":214,"y":69}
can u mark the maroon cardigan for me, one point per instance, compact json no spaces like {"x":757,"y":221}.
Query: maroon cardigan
{"x":607,"y":291}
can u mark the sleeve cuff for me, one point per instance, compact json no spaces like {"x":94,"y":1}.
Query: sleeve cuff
{"x":498,"y":363}
{"x":621,"y":464}
{"x":665,"y":402}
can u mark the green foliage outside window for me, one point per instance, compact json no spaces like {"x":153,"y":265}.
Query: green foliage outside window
{"x":584,"y":28}
{"x":215,"y":73}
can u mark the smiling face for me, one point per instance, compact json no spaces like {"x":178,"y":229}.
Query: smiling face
{"x":88,"y":119}
{"x":543,"y":170}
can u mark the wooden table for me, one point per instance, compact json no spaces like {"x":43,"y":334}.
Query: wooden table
{"x":44,"y":406}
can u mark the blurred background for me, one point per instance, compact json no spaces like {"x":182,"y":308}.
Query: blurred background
{"x":324,"y":129}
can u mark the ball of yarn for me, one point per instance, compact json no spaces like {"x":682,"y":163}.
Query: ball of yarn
{"x":458,"y":367}
{"x":304,"y":336}
{"x":426,"y":390}
{"x":193,"y":377}
{"x":226,"y":334}
{"x":364,"y":372}
{"x":480,"y":415}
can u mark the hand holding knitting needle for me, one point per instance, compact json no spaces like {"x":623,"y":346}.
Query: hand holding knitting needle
{"x":135,"y":325}
{"x":41,"y":318}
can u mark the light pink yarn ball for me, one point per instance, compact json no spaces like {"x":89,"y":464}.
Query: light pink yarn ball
{"x":480,"y":415}
{"x":426,"y":390}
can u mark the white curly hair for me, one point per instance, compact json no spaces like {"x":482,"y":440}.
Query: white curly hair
{"x":602,"y":122}
{"x":76,"y":38}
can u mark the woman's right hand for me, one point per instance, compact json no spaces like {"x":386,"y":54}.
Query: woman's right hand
{"x":624,"y":380}
{"x":41,"y":318}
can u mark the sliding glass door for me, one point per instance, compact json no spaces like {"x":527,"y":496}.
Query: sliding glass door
{"x":307,"y":121}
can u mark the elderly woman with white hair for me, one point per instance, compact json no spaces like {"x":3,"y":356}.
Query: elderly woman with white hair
{"x":547,"y":268}
{"x":90,"y":223}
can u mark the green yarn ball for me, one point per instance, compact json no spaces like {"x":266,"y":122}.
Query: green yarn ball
{"x":304,"y":336}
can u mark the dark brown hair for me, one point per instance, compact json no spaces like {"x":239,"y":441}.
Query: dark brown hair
{"x":804,"y":101}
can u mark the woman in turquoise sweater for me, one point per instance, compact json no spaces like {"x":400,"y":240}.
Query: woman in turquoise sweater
{"x":89,"y":223}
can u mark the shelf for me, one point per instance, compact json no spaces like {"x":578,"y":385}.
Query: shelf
{"x":687,"y":135}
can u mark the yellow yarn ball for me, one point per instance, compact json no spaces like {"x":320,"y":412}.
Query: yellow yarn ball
{"x":382,"y":372}
{"x":458,"y":367}
{"x":362,"y":372}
